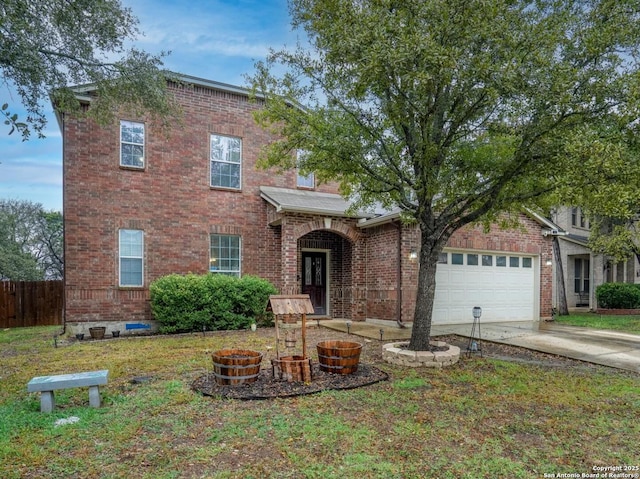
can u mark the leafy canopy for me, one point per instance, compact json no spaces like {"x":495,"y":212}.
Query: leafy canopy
{"x":467,"y":106}
{"x":31,"y":242}
{"x":48,"y":45}
{"x":458,"y":110}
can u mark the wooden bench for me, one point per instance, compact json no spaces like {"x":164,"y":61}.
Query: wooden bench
{"x":45,"y":385}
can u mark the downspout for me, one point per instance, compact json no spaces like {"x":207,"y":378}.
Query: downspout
{"x":399,"y":278}
{"x":64,"y":242}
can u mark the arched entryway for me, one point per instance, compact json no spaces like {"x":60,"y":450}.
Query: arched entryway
{"x":325,"y":264}
{"x":326,"y":272}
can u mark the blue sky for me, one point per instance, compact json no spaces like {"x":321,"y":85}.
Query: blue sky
{"x":213,"y":39}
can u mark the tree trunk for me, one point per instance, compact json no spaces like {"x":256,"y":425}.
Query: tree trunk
{"x":421,"y":333}
{"x":563,"y":309}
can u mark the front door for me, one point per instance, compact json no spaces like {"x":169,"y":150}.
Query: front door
{"x":314,"y":275}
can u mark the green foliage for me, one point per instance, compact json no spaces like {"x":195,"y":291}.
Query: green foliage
{"x":618,"y":295}
{"x":30,"y":242}
{"x":211,"y":301}
{"x":456,"y":111}
{"x":46,"y":46}
{"x":624,"y":323}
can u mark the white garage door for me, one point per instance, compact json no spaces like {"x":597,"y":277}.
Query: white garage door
{"x":502,"y":284}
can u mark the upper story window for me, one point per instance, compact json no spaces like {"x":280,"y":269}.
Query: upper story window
{"x":226,"y":161}
{"x":225,"y":254}
{"x":578,"y":218}
{"x":131,"y":144}
{"x":131,"y":255}
{"x":308,"y":181}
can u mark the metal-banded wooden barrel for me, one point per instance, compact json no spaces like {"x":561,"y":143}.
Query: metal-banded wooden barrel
{"x":339,"y":357}
{"x":236,"y":366}
{"x":292,"y":368}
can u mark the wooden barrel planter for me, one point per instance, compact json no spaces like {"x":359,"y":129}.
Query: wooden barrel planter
{"x":339,"y":357}
{"x":236,"y":366}
{"x":292,"y":368}
{"x":97,"y":332}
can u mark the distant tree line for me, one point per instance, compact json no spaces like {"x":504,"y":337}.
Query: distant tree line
{"x":31,"y":242}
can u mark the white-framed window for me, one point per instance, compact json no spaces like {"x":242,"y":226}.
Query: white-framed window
{"x":131,"y":257}
{"x":131,"y":144}
{"x":308,"y":181}
{"x":226,"y":161}
{"x":578,"y":218}
{"x":581,"y":269}
{"x":224,"y":255}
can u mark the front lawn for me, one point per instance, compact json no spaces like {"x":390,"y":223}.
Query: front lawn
{"x":519,"y":417}
{"x":628,"y":324}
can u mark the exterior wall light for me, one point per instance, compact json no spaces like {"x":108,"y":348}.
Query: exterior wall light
{"x":413,"y":255}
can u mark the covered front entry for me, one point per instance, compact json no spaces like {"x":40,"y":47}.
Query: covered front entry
{"x":314,"y":279}
{"x":321,"y":250}
{"x":326,"y":272}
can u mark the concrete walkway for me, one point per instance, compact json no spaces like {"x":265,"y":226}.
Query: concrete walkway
{"x":607,"y":348}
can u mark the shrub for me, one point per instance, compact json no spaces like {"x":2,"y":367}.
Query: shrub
{"x":618,"y":295}
{"x":212,"y":301}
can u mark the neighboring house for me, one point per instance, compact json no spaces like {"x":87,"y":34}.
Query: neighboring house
{"x":140,"y":204}
{"x":583,"y":271}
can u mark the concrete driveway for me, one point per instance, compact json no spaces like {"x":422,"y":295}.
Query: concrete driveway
{"x":608,"y":348}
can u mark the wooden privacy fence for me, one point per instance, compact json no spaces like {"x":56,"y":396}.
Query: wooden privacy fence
{"x":30,"y":303}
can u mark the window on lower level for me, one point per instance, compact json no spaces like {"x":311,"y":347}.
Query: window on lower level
{"x":131,"y":254}
{"x":581,"y":269}
{"x":225,"y":254}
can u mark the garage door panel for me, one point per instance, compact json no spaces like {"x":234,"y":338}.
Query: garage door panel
{"x":504,"y":293}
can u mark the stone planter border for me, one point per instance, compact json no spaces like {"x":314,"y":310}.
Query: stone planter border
{"x":394,"y":353}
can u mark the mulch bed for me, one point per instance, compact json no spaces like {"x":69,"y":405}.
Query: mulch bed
{"x":266,"y":387}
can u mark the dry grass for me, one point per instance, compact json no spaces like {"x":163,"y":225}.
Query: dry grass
{"x":523,"y":417}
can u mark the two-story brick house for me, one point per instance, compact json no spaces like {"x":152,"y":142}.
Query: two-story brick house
{"x":582,"y":269}
{"x":140,"y":204}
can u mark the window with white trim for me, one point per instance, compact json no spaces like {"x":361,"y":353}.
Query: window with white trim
{"x":225,"y":254}
{"x":131,"y":257}
{"x":308,"y":181}
{"x":578,"y":218}
{"x":131,"y":144}
{"x":581,"y":270}
{"x":226,"y":161}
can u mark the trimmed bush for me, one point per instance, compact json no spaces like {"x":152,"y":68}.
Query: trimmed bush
{"x":618,"y":296}
{"x":212,"y":302}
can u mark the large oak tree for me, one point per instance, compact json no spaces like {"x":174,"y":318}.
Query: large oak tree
{"x":46,"y":46}
{"x":457,"y":111}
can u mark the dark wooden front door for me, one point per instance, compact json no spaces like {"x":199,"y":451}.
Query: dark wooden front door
{"x":314,"y":276}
